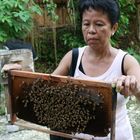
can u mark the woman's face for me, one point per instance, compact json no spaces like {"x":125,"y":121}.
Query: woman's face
{"x":96,"y":28}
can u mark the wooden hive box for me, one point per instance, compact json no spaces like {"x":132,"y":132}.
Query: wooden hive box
{"x":105,"y":116}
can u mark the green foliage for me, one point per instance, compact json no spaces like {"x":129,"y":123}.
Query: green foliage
{"x":16,"y":18}
{"x":127,"y":9}
{"x":134,"y":53}
{"x":51,"y":9}
{"x":50,"y":6}
{"x":1,"y":88}
{"x":72,"y":11}
{"x":2,"y":110}
{"x":73,"y":38}
{"x":72,"y":41}
{"x":2,"y":105}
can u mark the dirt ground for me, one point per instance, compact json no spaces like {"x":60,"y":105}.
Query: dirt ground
{"x":22,"y":134}
{"x":134,"y":115}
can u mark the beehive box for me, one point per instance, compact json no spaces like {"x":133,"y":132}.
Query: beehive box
{"x":99,"y":125}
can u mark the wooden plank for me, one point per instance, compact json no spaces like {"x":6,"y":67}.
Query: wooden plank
{"x":36,"y":127}
{"x":32,"y":75}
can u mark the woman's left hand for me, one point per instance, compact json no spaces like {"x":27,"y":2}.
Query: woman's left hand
{"x":126,"y":85}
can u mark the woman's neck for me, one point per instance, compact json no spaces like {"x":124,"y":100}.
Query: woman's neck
{"x":99,"y":53}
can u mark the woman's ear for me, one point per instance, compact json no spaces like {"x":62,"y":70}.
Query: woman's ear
{"x":114,"y":28}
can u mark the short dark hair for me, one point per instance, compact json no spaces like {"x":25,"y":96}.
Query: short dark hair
{"x":110,"y":7}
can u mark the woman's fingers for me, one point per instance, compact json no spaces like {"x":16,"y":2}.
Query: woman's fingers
{"x":118,"y":83}
{"x":125,"y":84}
{"x":8,"y":67}
{"x":133,"y":84}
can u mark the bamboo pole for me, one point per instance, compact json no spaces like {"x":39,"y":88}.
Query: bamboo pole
{"x":54,"y":42}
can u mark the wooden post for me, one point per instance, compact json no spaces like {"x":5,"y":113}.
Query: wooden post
{"x":114,"y":105}
{"x":4,"y":58}
{"x":54,"y":42}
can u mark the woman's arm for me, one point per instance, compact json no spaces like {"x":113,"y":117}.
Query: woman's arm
{"x":129,"y":84}
{"x":64,"y":65}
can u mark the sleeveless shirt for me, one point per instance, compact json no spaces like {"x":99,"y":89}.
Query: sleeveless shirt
{"x":123,"y":129}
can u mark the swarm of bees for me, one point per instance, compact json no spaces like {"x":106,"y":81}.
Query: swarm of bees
{"x":65,"y":107}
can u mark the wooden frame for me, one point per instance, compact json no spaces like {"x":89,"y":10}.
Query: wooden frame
{"x":16,"y":78}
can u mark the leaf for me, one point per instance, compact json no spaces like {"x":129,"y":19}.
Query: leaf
{"x":36,"y":9}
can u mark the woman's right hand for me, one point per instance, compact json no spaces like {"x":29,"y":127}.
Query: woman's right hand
{"x":8,"y":67}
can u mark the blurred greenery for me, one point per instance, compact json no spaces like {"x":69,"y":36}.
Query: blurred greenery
{"x":2,"y":102}
{"x":16,"y":20}
{"x":133,"y":52}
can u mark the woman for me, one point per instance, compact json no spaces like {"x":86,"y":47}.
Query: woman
{"x":100,"y":61}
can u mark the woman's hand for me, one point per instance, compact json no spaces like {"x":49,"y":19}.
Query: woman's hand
{"x":126,"y":85}
{"x":8,"y":67}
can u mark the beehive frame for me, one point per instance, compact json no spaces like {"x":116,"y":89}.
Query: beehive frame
{"x":16,"y":78}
